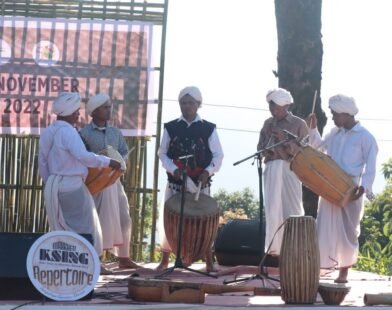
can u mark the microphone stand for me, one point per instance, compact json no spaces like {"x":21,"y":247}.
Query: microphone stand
{"x":258,"y":156}
{"x":178,"y":262}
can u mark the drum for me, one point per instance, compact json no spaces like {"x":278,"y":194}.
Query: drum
{"x":100,"y":178}
{"x":299,"y":261}
{"x":200,"y":225}
{"x":333,"y":294}
{"x":323,"y":176}
{"x":157,"y":290}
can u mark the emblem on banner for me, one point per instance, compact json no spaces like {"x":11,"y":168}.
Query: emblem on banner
{"x":46,"y":53}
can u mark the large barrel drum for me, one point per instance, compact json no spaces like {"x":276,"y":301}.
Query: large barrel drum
{"x":200,"y":225}
{"x":299,"y":261}
{"x":322,"y":175}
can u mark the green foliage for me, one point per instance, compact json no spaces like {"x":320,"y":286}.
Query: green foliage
{"x":231,"y":215}
{"x":376,"y":230}
{"x":146,"y":217}
{"x":239,"y":204}
{"x":387,"y":170}
{"x":380,"y":264}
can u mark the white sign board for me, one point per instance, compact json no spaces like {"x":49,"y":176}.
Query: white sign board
{"x":63,"y":266}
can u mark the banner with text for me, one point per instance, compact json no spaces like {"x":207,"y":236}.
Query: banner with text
{"x":41,"y":57}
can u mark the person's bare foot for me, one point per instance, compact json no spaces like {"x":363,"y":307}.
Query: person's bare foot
{"x":343,"y":273}
{"x":210,"y":267}
{"x":127,"y":263}
{"x":210,"y":263}
{"x":164,"y":261}
{"x":161,"y":266}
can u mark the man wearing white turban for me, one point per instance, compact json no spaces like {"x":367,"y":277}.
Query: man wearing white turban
{"x":62,"y":162}
{"x":111,"y":203}
{"x":355,"y":150}
{"x":188,"y":135}
{"x":282,"y":188}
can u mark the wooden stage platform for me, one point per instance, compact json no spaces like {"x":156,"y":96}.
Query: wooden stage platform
{"x":111,"y":291}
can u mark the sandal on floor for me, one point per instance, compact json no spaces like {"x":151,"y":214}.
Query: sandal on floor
{"x":127,"y":264}
{"x":340,"y":281}
{"x":105,"y":271}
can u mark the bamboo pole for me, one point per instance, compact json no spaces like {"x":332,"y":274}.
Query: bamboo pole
{"x":377,"y":299}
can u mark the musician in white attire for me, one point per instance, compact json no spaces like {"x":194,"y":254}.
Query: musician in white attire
{"x":355,"y":150}
{"x":63,"y":161}
{"x":189,"y":134}
{"x":282,"y":188}
{"x":111,"y":203}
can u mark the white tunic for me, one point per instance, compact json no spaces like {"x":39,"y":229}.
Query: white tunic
{"x":111,"y":203}
{"x":113,"y":211}
{"x":355,"y":151}
{"x":282,"y":199}
{"x":62,"y":162}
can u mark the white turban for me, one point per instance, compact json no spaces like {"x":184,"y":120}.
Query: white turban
{"x":280,"y":96}
{"x":343,"y":104}
{"x":192,"y":91}
{"x":95,"y":102}
{"x":66,"y":103}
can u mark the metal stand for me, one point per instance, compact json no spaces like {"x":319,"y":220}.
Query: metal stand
{"x":258,"y":156}
{"x":178,"y":262}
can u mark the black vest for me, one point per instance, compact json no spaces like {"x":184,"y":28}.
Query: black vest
{"x":192,"y":140}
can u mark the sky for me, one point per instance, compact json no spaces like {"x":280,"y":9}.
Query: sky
{"x":228,"y":49}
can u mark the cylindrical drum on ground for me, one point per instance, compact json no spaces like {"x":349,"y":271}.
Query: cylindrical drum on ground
{"x":299,"y":261}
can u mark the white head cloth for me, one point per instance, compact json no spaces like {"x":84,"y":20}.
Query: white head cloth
{"x":95,"y":102}
{"x":280,"y":96}
{"x":343,"y":104}
{"x":192,"y":91}
{"x":66,"y":103}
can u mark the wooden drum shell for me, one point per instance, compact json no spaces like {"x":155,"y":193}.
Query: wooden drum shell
{"x":100,"y":178}
{"x":322,"y":175}
{"x":200,"y":225}
{"x":299,"y":261}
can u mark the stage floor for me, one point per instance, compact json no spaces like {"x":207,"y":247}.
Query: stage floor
{"x":111,"y":291}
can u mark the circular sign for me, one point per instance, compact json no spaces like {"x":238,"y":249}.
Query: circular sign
{"x":63,"y":266}
{"x":46,"y":53}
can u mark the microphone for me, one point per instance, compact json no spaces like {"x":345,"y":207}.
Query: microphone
{"x":290,"y":134}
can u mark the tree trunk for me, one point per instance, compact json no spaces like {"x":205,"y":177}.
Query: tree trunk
{"x":300,"y":52}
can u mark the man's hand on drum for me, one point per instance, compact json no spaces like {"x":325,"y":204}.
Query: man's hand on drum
{"x":115,"y":164}
{"x":291,"y":148}
{"x":203,"y":178}
{"x":359,"y":191}
{"x":311,"y":121}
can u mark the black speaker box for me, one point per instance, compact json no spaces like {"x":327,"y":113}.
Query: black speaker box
{"x":241,"y":242}
{"x":15,"y":283}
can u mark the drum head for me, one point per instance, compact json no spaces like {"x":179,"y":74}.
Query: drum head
{"x":110,"y":152}
{"x":205,"y":205}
